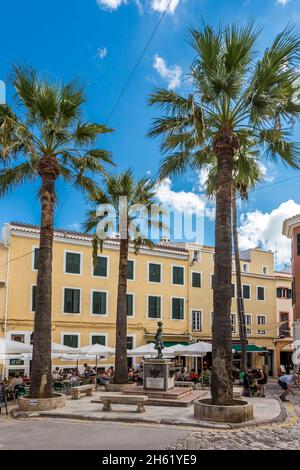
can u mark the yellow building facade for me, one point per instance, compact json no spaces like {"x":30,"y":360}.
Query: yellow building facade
{"x":172,"y":283}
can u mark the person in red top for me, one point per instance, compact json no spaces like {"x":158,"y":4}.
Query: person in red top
{"x":193,"y":377}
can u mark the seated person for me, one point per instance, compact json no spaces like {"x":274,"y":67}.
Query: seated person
{"x":181,"y":375}
{"x":193,"y":376}
{"x":56,"y":375}
{"x":250,"y":385}
{"x":103,"y":378}
{"x":17,"y":380}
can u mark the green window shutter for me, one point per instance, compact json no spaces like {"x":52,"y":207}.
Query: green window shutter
{"x":178,"y":275}
{"x":196,"y":280}
{"x":73,"y":263}
{"x":154,"y":272}
{"x":101,"y":267}
{"x":154,"y":307}
{"x":71,"y":341}
{"x":98,"y":339}
{"x":129,"y":305}
{"x":72,"y":301}
{"x":246,"y":292}
{"x":33,"y":299}
{"x":298,"y":244}
{"x":178,"y":309}
{"x":99,"y":303}
{"x":130,"y":270}
{"x":36,"y":258}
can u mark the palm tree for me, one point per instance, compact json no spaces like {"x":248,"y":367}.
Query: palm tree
{"x":246,"y":174}
{"x":237,"y":97}
{"x":118,"y":187}
{"x":47,"y":140}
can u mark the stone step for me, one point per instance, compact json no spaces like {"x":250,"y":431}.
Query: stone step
{"x":173,"y":394}
{"x":187,"y":400}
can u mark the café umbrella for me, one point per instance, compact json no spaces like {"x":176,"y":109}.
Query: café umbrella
{"x":97,"y":350}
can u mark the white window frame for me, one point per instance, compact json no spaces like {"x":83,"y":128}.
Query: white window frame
{"x":233,"y":325}
{"x":31,"y":298}
{"x":261,"y":315}
{"x":178,"y":266}
{"x":200,"y":320}
{"x":247,"y":268}
{"x":161,"y":307}
{"x":171,"y":305}
{"x":248,"y":330}
{"x":196,"y":272}
{"x":249,"y":285}
{"x":262,"y":287}
{"x":35,"y":247}
{"x":65,"y":262}
{"x":134,"y":268}
{"x":108,"y":267}
{"x":262,"y":270}
{"x":69,"y":333}
{"x":91,"y":303}
{"x":133,"y":305}
{"x":98,"y":334}
{"x":63,"y":301}
{"x":148,"y":272}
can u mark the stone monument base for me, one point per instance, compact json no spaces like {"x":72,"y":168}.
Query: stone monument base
{"x":159,"y":375}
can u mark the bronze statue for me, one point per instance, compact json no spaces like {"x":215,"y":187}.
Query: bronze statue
{"x":159,"y":345}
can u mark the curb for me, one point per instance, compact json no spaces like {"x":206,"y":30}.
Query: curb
{"x":164,"y":421}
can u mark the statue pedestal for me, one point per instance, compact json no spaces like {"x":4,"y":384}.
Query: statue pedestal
{"x":159,"y":375}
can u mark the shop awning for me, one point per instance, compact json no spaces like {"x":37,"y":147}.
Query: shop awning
{"x":251,"y":348}
{"x":168,"y":344}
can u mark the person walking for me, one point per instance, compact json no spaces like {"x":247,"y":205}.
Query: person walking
{"x":285,"y":382}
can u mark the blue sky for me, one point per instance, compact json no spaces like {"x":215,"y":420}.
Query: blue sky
{"x":100,"y":41}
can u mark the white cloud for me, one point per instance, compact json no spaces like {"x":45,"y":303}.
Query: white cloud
{"x":110,"y":4}
{"x":180,"y":201}
{"x":161,"y":5}
{"x":172,"y":75}
{"x":101,"y":52}
{"x":265,"y":229}
{"x":282,"y":2}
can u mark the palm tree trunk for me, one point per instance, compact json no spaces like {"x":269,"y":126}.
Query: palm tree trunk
{"x":41,"y":378}
{"x":221,"y":384}
{"x":121,"y":368}
{"x":239,"y":293}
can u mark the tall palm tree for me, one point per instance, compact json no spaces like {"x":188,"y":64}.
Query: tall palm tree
{"x":237,"y":96}
{"x":46,"y":139}
{"x":127,"y":225}
{"x":246,"y":174}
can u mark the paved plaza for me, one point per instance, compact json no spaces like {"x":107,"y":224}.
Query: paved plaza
{"x":63,"y":433}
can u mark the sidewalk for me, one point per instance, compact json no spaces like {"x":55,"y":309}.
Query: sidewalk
{"x":266,"y":410}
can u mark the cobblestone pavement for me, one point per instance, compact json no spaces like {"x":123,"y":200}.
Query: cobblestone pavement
{"x":278,"y":436}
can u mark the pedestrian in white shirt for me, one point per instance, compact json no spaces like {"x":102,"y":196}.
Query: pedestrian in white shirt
{"x":285,"y":382}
